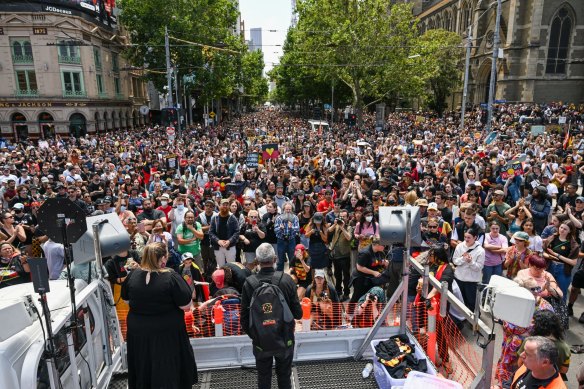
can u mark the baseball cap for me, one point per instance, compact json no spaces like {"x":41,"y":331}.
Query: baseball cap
{"x":18,"y":206}
{"x":422,"y":203}
{"x":307,"y":204}
{"x":300,"y":246}
{"x":319,"y":273}
{"x":521,"y":235}
{"x":433,"y":206}
{"x":317,"y":217}
{"x":165,"y":196}
{"x":223,"y":201}
{"x":186,"y":256}
{"x":218,"y":277}
{"x":580,"y":198}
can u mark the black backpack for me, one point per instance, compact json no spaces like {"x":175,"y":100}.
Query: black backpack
{"x":271,"y":322}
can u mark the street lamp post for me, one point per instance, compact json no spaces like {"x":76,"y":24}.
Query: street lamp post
{"x":168,"y":68}
{"x":466,"y":74}
{"x":496,"y":43}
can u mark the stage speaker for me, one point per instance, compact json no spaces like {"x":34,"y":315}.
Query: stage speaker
{"x":392,"y":225}
{"x":113,"y":238}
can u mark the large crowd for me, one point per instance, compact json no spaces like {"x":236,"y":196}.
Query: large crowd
{"x":506,"y":203}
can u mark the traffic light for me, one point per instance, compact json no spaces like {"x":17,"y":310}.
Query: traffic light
{"x":352,"y":119}
{"x":170,"y":116}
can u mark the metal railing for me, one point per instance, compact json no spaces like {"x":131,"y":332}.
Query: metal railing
{"x":74,"y":93}
{"x":22,"y":59}
{"x":26,"y":93}
{"x":70,"y":59}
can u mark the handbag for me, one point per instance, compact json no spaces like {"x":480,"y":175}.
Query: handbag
{"x":561,"y":310}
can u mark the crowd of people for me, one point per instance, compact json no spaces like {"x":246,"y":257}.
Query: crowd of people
{"x":506,"y":203}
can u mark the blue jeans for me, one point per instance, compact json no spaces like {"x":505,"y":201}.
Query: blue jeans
{"x":305,"y":240}
{"x":285,"y":247}
{"x":488,"y":271}
{"x":557,"y":270}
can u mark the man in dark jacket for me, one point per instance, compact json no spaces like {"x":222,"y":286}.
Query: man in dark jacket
{"x":266,"y":256}
{"x":224,"y":234}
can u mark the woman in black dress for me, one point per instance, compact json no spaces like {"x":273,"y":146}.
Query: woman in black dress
{"x":159,"y":352}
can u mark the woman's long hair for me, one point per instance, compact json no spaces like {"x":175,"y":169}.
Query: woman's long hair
{"x":151,"y":256}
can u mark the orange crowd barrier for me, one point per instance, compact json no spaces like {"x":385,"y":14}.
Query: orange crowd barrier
{"x":442,"y":340}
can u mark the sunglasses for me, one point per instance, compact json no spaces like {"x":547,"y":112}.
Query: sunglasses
{"x":535,"y":289}
{"x":432,"y":226}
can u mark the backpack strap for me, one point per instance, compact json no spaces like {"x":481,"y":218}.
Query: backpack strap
{"x":277,"y":277}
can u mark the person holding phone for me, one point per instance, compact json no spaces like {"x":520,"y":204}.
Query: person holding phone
{"x":251,"y":235}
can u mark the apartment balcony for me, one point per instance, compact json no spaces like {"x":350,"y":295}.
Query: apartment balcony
{"x":67,"y":59}
{"x":22,"y":59}
{"x":26,"y":93}
{"x":74,"y":94}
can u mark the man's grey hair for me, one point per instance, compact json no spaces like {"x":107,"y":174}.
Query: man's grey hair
{"x":546,"y":349}
{"x":265,"y":253}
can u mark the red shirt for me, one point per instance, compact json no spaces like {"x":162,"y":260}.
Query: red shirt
{"x":324,"y":206}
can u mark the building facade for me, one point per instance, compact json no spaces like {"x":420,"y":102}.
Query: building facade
{"x":63,"y":73}
{"x":255,"y":39}
{"x":542,"y":44}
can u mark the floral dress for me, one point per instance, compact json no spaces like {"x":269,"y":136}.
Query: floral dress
{"x":513,"y":337}
{"x":515,"y":261}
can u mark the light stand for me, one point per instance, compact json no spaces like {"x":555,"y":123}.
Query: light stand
{"x":40,"y":279}
{"x":68,"y":259}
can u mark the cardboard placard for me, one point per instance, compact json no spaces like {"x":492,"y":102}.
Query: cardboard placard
{"x":537,"y":130}
{"x":514,"y":168}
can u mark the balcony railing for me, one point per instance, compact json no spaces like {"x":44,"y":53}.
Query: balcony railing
{"x":22,"y":59}
{"x":75,"y":59}
{"x":74,"y":93}
{"x":26,"y":93}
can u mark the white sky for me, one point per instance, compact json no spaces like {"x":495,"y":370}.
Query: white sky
{"x":269,"y":15}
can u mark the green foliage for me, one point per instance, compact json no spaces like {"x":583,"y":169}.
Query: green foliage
{"x":209,"y":22}
{"x":255,"y":85}
{"x":440,"y":54}
{"x":372,"y":48}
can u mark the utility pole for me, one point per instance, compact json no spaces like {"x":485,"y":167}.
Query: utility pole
{"x":333,"y":102}
{"x":168,"y":69}
{"x":466,"y":74}
{"x":496,"y":43}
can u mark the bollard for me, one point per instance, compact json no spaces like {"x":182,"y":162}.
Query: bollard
{"x":218,"y":318}
{"x":431,"y":346}
{"x":306,"y":311}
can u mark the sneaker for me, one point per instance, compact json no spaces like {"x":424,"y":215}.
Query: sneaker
{"x":581,"y":319}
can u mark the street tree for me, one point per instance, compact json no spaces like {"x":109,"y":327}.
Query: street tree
{"x":363,"y":43}
{"x":213,"y":72}
{"x":440,"y":55}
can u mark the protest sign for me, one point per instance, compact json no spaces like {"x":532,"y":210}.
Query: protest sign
{"x":513,"y":168}
{"x":537,"y":130}
{"x":252,"y":160}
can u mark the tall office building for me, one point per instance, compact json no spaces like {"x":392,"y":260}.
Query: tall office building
{"x":255,"y":39}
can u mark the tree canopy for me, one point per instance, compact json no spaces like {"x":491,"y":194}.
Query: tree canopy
{"x":373,"y":47}
{"x":214,"y":71}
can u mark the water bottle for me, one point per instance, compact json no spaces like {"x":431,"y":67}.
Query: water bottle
{"x":367,"y":371}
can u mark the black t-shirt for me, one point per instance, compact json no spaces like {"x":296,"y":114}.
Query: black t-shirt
{"x":561,"y":247}
{"x":530,"y":382}
{"x":222,"y":228}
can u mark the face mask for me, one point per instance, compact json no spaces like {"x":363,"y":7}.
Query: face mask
{"x":180,"y":207}
{"x":164,"y":203}
{"x":369,"y":218}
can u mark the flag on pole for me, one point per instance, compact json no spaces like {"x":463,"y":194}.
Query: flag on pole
{"x":567,"y":139}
